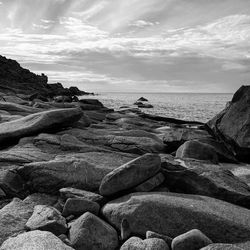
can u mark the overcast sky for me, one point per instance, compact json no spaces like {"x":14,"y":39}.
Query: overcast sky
{"x":131,"y":45}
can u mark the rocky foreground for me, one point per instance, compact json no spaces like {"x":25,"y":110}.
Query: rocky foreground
{"x":81,"y":176}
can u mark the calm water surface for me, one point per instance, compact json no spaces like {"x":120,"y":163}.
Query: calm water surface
{"x":187,"y":106}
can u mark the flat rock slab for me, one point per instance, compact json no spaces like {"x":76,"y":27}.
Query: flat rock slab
{"x":37,"y":240}
{"x":130,"y":174}
{"x":38,"y":122}
{"x":174,"y":214}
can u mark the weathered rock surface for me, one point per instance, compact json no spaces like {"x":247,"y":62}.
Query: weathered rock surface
{"x":39,"y":122}
{"x":150,"y":235}
{"x":205,"y":179}
{"x":35,"y":240}
{"x":232,"y":125}
{"x":174,"y":214}
{"x":14,"y":215}
{"x":192,"y":240}
{"x":197,"y":150}
{"x":90,"y":232}
{"x":135,"y":243}
{"x":47,"y":218}
{"x":219,"y":246}
{"x":79,"y":206}
{"x":130,"y":174}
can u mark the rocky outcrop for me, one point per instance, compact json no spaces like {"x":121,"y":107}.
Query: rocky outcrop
{"x":174,"y":214}
{"x":232,"y":125}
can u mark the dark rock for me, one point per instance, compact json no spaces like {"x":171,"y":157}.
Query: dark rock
{"x":37,"y":123}
{"x":197,"y":150}
{"x":37,"y":240}
{"x":142,"y":99}
{"x":135,"y":243}
{"x":130,"y":174}
{"x":232,"y":125}
{"x":191,"y":240}
{"x":47,"y":218}
{"x":143,"y":105}
{"x":205,"y":179}
{"x":150,"y":235}
{"x":79,"y":206}
{"x":90,"y":232}
{"x":174,"y":214}
{"x":78,"y":193}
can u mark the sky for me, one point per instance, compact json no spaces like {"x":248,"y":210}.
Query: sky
{"x":131,"y":45}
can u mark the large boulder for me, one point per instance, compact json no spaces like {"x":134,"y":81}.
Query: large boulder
{"x":232,"y":125}
{"x":130,"y":174}
{"x":194,"y":177}
{"x":174,"y":214}
{"x":37,"y":240}
{"x":37,"y":123}
{"x":90,"y":232}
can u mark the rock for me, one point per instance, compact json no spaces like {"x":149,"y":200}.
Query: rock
{"x":14,"y":215}
{"x":135,"y":243}
{"x":39,"y":122}
{"x":150,"y":184}
{"x":17,"y":109}
{"x":130,"y":174}
{"x":79,"y":206}
{"x":47,"y":218}
{"x":78,"y":193}
{"x":37,"y":240}
{"x":12,"y":184}
{"x":142,"y":99}
{"x":90,"y":232}
{"x":191,"y":240}
{"x":205,"y":179}
{"x":175,"y":137}
{"x":174,"y":214}
{"x":232,"y":125}
{"x":150,"y":235}
{"x":125,"y":230}
{"x":197,"y":150}
{"x":222,"y":247}
{"x":143,"y":105}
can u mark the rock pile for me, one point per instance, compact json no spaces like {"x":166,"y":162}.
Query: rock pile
{"x":81,"y":176}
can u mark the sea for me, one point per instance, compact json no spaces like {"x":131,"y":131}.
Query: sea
{"x":187,"y":106}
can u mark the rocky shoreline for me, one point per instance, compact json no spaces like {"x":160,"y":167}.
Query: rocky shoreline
{"x":81,"y":176}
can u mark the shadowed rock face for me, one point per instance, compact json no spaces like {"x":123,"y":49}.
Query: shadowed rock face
{"x":174,"y":214}
{"x":232,"y":125}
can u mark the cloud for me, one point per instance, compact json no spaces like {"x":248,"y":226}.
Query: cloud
{"x":143,"y":24}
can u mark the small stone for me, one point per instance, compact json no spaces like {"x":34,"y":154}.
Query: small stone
{"x":79,"y":206}
{"x":135,"y":243}
{"x":192,"y":240}
{"x":47,"y":218}
{"x":167,"y":239}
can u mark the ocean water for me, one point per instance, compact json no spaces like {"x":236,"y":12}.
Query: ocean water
{"x":186,"y":106}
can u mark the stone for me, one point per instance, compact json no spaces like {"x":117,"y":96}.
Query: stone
{"x":78,"y":193}
{"x":37,"y":123}
{"x":150,"y":235}
{"x":130,"y":174}
{"x":38,"y":240}
{"x":197,"y":150}
{"x":12,"y":184}
{"x":47,"y":218}
{"x":79,"y":206}
{"x":220,"y":246}
{"x":14,"y":215}
{"x":82,"y":171}
{"x":150,"y":184}
{"x":232,"y":124}
{"x":194,"y":177}
{"x":135,"y":243}
{"x":142,"y":99}
{"x":191,"y":240}
{"x":90,"y":232}
{"x":174,"y":214}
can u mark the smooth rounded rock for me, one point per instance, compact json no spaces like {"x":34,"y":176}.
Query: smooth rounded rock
{"x":92,"y":233}
{"x":130,"y":174}
{"x":192,"y":240}
{"x":167,"y":239}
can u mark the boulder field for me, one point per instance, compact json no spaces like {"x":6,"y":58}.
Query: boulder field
{"x":81,"y":176}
